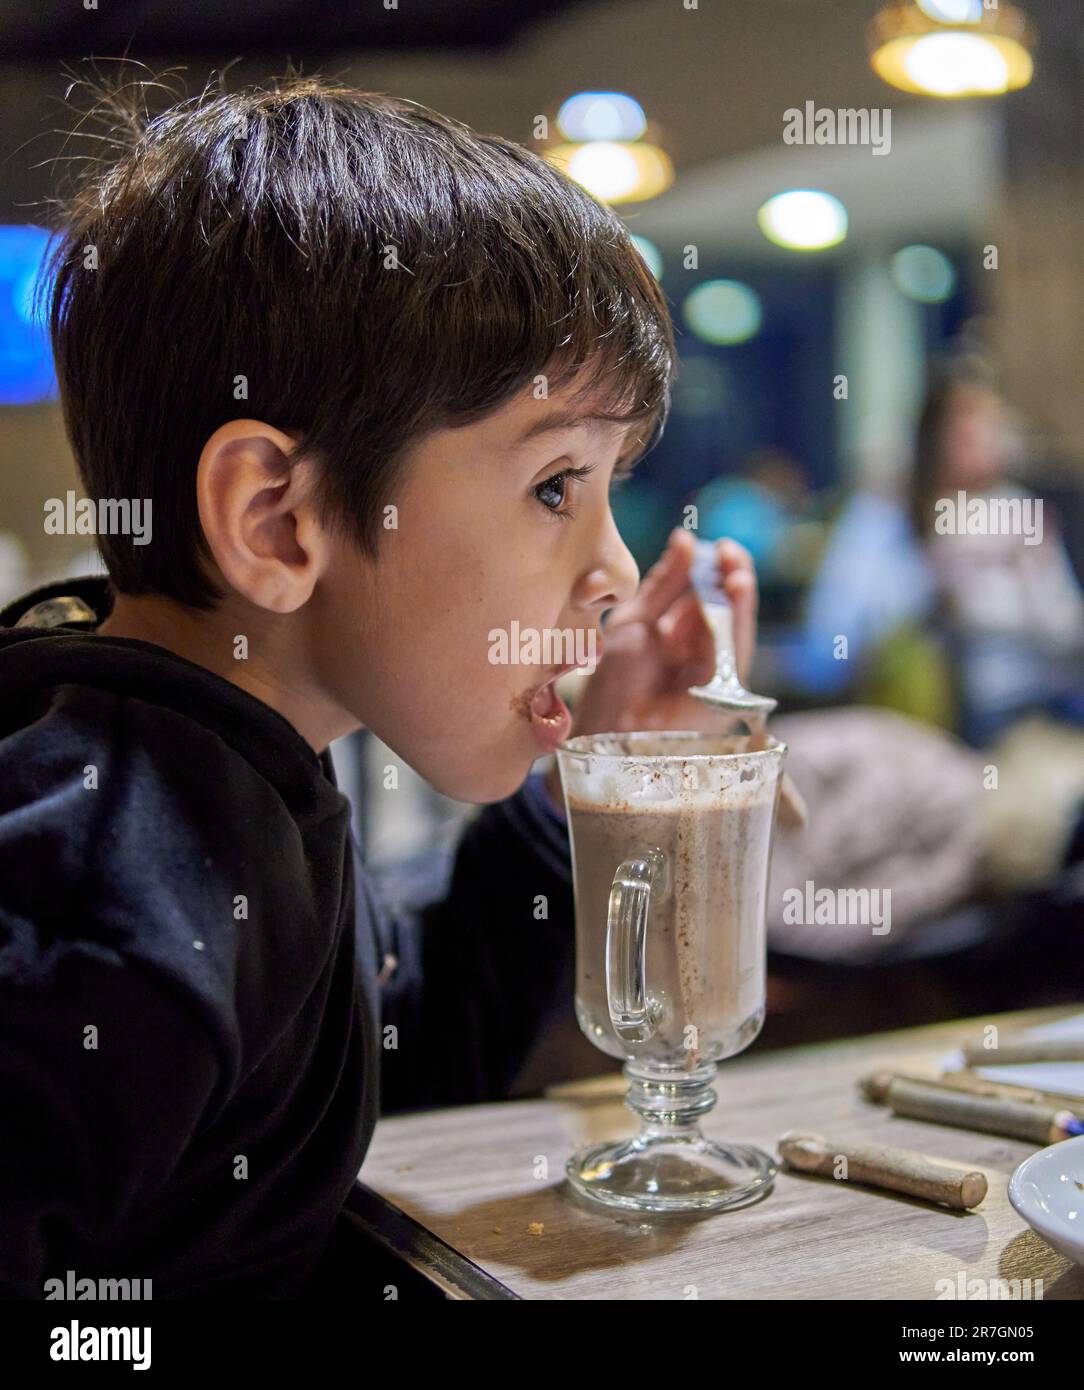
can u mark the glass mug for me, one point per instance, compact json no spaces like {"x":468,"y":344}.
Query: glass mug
{"x":671,"y":836}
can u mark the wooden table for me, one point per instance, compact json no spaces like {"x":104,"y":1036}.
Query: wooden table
{"x":475,"y":1197}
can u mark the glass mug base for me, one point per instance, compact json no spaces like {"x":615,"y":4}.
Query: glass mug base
{"x":671,"y":1174}
{"x":671,"y":1165}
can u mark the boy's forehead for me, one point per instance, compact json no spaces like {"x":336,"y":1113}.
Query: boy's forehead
{"x":526,"y":426}
{"x":525,"y":421}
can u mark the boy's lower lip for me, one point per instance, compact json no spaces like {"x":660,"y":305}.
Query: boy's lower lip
{"x":550,"y":718}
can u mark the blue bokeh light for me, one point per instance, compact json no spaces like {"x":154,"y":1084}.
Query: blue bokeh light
{"x":26,"y":360}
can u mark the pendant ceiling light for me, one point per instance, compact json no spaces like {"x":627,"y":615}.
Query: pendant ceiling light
{"x":609,"y":149}
{"x":952,"y":48}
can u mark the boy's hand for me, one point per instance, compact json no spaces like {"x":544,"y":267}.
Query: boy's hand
{"x":659,"y":643}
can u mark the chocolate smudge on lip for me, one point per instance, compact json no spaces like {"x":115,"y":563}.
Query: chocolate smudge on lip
{"x":522,"y":703}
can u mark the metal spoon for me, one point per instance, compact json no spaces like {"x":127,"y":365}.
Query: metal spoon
{"x":724,"y":690}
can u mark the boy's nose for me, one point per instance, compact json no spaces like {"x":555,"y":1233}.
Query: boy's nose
{"x":615,"y":577}
{"x":629,"y":579}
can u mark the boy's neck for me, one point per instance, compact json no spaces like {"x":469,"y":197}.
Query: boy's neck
{"x":272,"y":671}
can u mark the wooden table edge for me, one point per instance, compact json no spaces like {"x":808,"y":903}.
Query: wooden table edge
{"x":403,"y":1238}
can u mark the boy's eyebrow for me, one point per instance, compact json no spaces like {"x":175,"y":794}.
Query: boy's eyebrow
{"x":563,"y":420}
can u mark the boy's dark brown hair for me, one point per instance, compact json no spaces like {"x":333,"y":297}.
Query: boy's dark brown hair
{"x":372,"y":269}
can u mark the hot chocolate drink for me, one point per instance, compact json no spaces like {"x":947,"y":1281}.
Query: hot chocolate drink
{"x":705,"y":943}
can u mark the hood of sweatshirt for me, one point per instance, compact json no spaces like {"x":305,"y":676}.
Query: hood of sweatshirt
{"x":47,"y":639}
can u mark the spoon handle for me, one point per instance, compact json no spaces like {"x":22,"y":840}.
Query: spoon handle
{"x":720,"y":621}
{"x":704,"y":575}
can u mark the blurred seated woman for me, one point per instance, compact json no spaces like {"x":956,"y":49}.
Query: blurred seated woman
{"x":959,"y":603}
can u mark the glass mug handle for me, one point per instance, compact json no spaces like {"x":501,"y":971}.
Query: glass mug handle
{"x":626,"y":945}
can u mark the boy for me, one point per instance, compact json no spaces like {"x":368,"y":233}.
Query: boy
{"x":375,"y":374}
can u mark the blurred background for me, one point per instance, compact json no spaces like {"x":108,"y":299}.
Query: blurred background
{"x":868,"y":219}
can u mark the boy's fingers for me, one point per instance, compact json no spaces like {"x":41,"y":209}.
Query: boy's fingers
{"x":733,"y":557}
{"x":666,"y":579}
{"x":741,"y":589}
{"x":739,"y":577}
{"x":684,"y":629}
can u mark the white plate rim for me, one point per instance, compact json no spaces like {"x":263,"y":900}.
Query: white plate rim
{"x":1024,"y":1204}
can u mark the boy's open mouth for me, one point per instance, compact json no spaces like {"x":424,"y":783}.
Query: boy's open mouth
{"x":546,"y":705}
{"x":541,"y":702}
{"x":548,"y":715}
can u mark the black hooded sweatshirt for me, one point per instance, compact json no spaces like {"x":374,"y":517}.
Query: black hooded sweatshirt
{"x":202,"y":990}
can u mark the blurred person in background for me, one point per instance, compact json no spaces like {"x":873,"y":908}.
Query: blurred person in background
{"x":969,"y":631}
{"x":1011,"y":611}
{"x":980,"y":634}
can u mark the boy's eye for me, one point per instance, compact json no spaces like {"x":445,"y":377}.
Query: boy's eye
{"x":553,"y":491}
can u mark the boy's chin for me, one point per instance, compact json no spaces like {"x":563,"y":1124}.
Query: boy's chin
{"x":478,"y":785}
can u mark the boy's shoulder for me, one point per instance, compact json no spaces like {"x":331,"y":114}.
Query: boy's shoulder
{"x":117,"y":819}
{"x":110,"y":743}
{"x":136,"y":714}
{"x":103,"y":764}
{"x":147,"y":808}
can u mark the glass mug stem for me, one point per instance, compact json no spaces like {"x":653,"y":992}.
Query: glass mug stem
{"x":670,"y":1103}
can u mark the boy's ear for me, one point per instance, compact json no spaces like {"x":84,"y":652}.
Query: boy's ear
{"x":255,"y":499}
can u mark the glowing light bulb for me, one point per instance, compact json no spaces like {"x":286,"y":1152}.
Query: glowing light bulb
{"x":607,"y":169}
{"x":950,"y":64}
{"x":952,"y":11}
{"x":803,"y":219}
{"x":601,"y":116}
{"x":723,"y":311}
{"x":923,"y":273}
